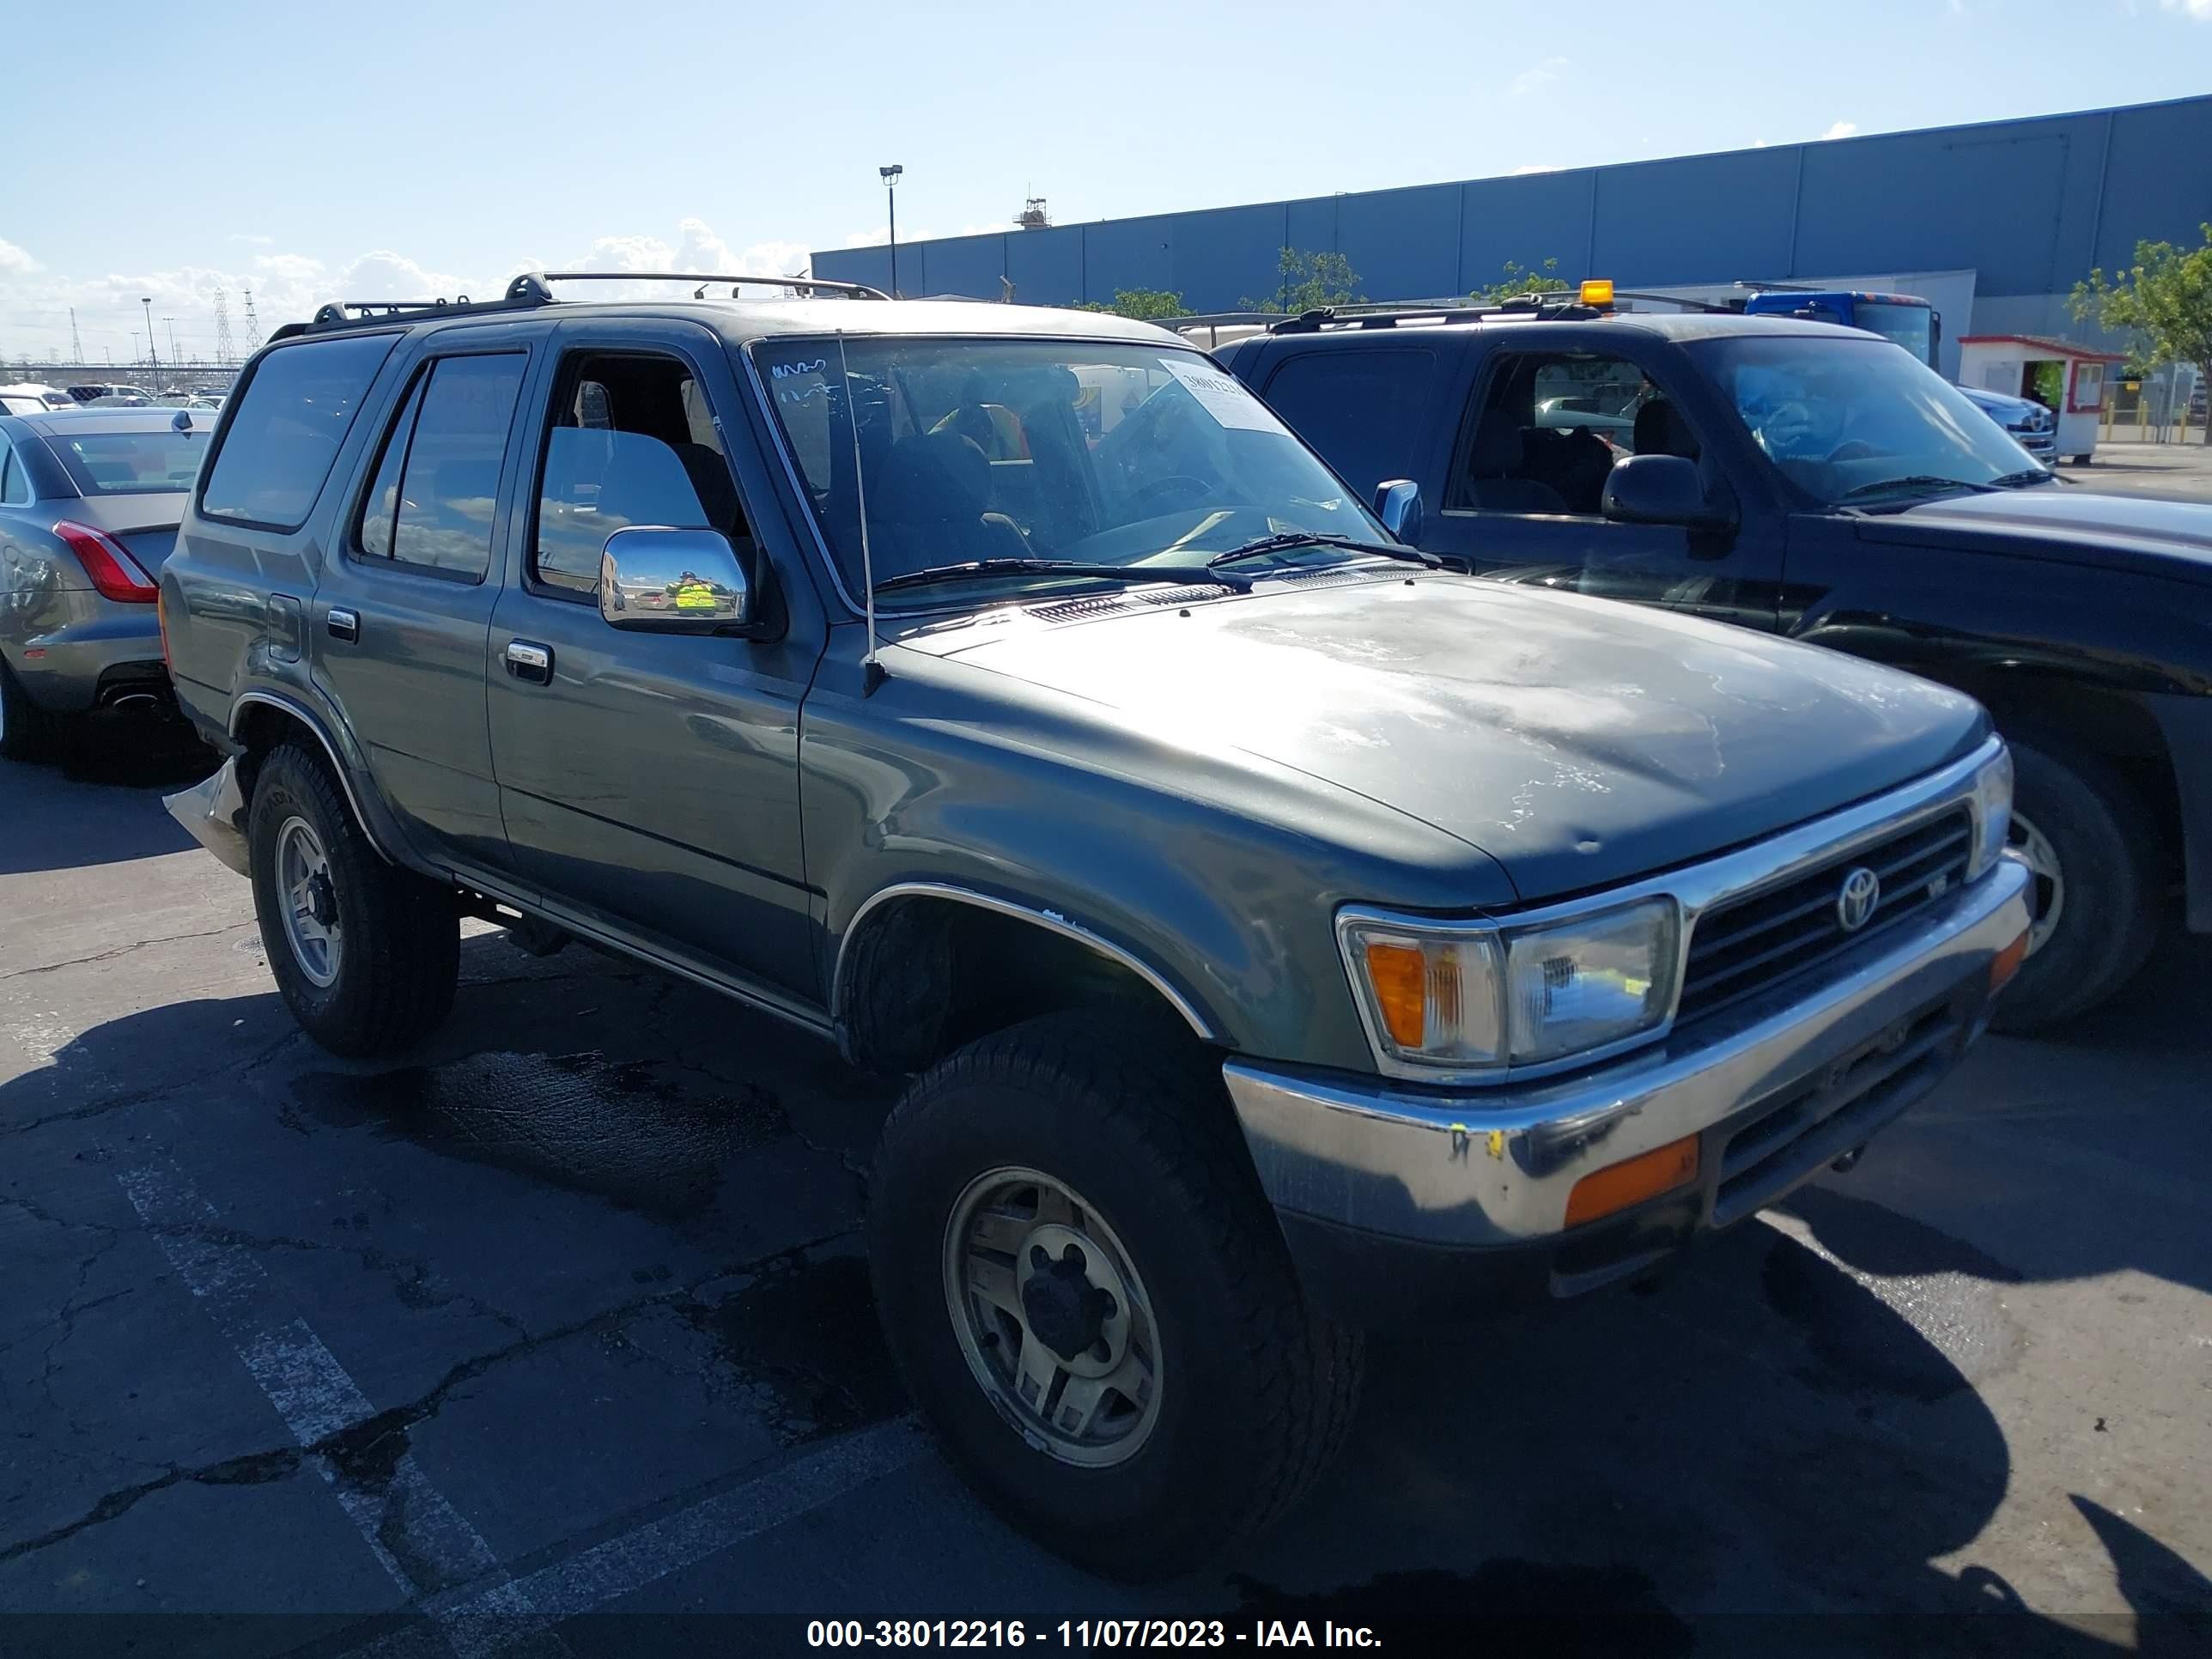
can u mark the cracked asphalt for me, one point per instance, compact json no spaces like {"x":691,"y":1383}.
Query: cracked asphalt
{"x":562,"y":1329}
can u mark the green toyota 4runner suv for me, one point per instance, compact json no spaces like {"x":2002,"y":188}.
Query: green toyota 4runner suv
{"x":1281,"y":935}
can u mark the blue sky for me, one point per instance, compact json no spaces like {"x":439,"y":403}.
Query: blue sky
{"x":321,"y":153}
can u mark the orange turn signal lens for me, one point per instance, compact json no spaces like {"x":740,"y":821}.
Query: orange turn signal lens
{"x":1597,"y":291}
{"x":1661,"y":1169}
{"x":2006,"y":963}
{"x":1399,"y":974}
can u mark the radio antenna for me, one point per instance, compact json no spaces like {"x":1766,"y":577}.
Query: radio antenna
{"x":871,"y":667}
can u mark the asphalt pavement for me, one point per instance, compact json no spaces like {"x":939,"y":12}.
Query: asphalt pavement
{"x":557,"y":1338}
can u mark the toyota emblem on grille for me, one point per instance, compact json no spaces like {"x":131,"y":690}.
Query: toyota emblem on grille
{"x":1862,"y":892}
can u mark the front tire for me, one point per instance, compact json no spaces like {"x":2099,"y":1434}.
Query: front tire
{"x":1088,"y":1295}
{"x":2095,"y":901}
{"x":366,"y":954}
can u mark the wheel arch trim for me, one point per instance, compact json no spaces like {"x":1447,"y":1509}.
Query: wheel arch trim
{"x":307,"y":718}
{"x":1051,"y":921}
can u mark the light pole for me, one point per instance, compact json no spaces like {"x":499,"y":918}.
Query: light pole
{"x":891,"y":177}
{"x":175,"y":355}
{"x":153,"y":357}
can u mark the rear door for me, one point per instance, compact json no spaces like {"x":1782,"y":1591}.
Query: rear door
{"x":650,"y":781}
{"x":1543,"y":425}
{"x":400,"y":618}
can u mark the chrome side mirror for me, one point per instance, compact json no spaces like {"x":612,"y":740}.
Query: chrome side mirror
{"x":1398,"y":504}
{"x":658,"y":580}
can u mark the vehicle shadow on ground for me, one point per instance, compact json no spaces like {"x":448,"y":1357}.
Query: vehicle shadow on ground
{"x":1746,"y":1452}
{"x":80,"y":790}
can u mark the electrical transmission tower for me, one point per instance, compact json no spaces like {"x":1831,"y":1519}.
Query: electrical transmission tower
{"x":224,"y":351}
{"x":252,"y":322}
{"x":76,"y":346}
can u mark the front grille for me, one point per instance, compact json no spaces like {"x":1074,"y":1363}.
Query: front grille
{"x":1745,"y":946}
{"x":1830,"y":1114}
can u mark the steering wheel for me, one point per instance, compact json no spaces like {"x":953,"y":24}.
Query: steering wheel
{"x":1789,"y":431}
{"x":1176,"y":483}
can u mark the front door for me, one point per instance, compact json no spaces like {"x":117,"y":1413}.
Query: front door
{"x":400,"y":615}
{"x":650,"y":781}
{"x":1522,"y":501}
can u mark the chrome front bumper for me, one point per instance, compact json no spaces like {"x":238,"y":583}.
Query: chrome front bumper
{"x":1778,"y":1086}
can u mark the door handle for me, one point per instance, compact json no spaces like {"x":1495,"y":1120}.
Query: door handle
{"x":343,"y":624}
{"x":530,"y":662}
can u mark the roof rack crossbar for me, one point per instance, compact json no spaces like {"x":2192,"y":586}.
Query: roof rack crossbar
{"x":801,"y":284}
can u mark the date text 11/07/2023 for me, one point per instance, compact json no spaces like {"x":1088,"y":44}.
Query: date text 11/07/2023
{"x":928,"y":1634}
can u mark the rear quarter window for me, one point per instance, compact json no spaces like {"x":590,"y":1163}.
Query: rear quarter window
{"x":1361,"y":410}
{"x":292,"y":416}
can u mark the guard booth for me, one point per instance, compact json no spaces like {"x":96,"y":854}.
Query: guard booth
{"x":2067,"y":379}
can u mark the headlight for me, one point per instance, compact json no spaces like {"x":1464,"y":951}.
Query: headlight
{"x":1992,"y":812}
{"x":1440,"y":997}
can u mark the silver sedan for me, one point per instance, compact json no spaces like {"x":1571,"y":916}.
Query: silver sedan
{"x":89,"y":501}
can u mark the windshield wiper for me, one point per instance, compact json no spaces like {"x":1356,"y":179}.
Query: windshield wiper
{"x":1911,"y":481}
{"x":1019,"y":567}
{"x":2025,"y":477}
{"x":1294,"y":538}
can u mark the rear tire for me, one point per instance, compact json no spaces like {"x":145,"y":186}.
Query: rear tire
{"x":2098,"y":855}
{"x":28,"y":732}
{"x":1245,"y":1393}
{"x":366,"y":954}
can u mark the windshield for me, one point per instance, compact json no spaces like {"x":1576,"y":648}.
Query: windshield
{"x":1124,"y":455}
{"x":1854,"y":418}
{"x":133,"y":463}
{"x":1910,"y":326}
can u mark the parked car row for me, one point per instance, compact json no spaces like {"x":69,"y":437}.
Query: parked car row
{"x":1281,"y":933}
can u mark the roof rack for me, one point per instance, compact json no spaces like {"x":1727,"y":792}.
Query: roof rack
{"x":537,"y":280}
{"x":1545,"y":306}
{"x":534,"y":288}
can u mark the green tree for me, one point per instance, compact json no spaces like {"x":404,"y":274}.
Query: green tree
{"x":1145,"y":304}
{"x":1519,"y":281}
{"x":1308,"y":281}
{"x":2164,"y":300}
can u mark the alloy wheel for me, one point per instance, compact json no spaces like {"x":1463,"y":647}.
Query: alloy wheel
{"x":1052,"y":1317}
{"x":2047,"y":890}
{"x":310,"y":902}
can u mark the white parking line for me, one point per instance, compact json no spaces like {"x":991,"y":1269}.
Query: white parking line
{"x":476,"y":1609}
{"x":486,"y":1619}
{"x":316,"y":1398}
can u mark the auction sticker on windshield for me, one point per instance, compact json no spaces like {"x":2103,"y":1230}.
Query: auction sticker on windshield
{"x":1221,"y":396}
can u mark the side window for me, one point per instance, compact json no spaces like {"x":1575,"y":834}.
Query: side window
{"x":294,"y":412}
{"x":1546,"y":430}
{"x":15,"y":486}
{"x":632,"y":441}
{"x":1361,"y":409}
{"x":373,"y":534}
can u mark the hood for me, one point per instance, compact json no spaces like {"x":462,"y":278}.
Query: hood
{"x":2070,"y":526}
{"x":1577,"y":742}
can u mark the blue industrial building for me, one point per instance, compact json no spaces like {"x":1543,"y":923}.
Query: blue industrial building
{"x":2010,"y":215}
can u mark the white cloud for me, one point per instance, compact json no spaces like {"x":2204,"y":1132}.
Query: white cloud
{"x":1537,"y":167}
{"x":35,"y":302}
{"x":1845,"y":129}
{"x":1535,"y":75}
{"x":2200,"y":10}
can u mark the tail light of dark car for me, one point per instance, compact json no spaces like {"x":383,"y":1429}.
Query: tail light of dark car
{"x":115,"y":574}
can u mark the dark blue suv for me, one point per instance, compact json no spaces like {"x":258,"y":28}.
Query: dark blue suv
{"x":1820,"y":483}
